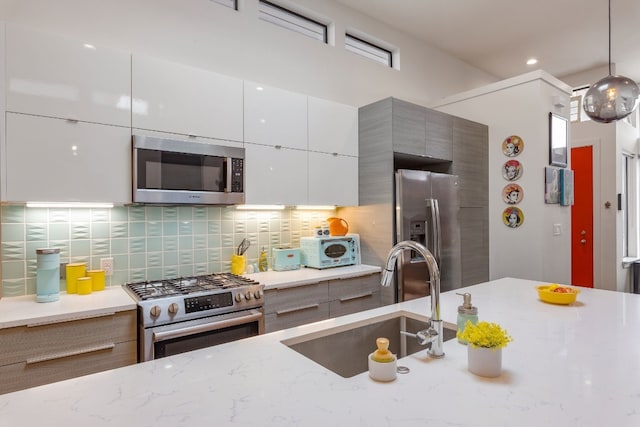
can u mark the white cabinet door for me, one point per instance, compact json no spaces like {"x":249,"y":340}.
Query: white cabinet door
{"x":275,"y":175}
{"x":274,"y":116}
{"x":55,"y":160}
{"x":58,"y":77}
{"x":171,"y":97}
{"x":333,"y":127}
{"x":333,"y":179}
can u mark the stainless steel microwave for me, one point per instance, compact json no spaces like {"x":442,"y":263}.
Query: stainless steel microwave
{"x":167,"y":171}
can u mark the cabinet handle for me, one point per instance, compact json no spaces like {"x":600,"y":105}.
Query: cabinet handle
{"x":72,"y":319}
{"x":278,"y":147}
{"x":72,"y":120}
{"x":63,"y":354}
{"x":192,"y":135}
{"x":293,"y":310}
{"x":367,"y":295}
{"x":334,"y":154}
{"x":298,"y":285}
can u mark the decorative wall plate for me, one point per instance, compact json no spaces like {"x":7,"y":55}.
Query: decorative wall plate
{"x":512,"y":217}
{"x":512,"y":146}
{"x":512,"y":194}
{"x":512,"y":170}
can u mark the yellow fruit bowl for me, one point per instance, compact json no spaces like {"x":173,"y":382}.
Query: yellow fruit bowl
{"x":556,"y":294}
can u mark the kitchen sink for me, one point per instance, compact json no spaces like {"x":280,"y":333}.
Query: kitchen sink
{"x":344,"y":349}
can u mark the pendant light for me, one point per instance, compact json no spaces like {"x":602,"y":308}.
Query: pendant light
{"x":613,"y":97}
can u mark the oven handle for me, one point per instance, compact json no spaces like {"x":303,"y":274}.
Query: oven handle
{"x":207,"y":327}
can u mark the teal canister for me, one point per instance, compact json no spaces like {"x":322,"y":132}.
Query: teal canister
{"x":466,"y":311}
{"x":48,"y":275}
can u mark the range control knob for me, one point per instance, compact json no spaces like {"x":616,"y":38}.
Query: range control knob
{"x":238,"y":297}
{"x":257,"y":294}
{"x":247,"y":295}
{"x":173,"y":308}
{"x":155,"y":311}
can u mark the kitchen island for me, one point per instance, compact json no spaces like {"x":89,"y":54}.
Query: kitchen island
{"x":576,"y":365}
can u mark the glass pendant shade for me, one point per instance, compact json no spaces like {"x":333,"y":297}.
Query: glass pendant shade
{"x":610,"y":99}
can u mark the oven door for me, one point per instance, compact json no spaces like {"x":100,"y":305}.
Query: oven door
{"x":338,"y":252}
{"x":168,"y":340}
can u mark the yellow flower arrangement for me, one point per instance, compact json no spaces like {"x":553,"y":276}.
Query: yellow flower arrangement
{"x":485,"y":334}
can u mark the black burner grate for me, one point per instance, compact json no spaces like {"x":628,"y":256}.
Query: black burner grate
{"x":188,"y":285}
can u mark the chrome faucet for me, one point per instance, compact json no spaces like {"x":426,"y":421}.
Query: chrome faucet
{"x":433,"y":335}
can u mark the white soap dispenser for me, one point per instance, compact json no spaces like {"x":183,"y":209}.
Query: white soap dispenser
{"x":466,"y":311}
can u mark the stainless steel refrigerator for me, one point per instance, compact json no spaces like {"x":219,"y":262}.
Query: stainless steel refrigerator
{"x":427,"y":207}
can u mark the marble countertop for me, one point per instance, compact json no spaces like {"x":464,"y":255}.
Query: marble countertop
{"x":576,"y":365}
{"x":24,"y":310}
{"x":305,"y":276}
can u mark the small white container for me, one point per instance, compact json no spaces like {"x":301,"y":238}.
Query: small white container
{"x":380,"y":371}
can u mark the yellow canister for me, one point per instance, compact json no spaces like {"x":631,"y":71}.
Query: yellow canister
{"x":84,"y":285}
{"x":75,"y":271}
{"x":238,"y":264}
{"x":97,"y":277}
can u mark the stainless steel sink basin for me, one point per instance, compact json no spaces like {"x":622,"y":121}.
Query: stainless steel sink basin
{"x":344,"y":349}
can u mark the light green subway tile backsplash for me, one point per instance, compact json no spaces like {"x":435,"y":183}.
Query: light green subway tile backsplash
{"x":100,"y":230}
{"x":13,"y":287}
{"x":37,"y":232}
{"x":170,"y":243}
{"x":154,"y":228}
{"x":33,"y":214}
{"x":12,"y":232}
{"x":119,"y":214}
{"x":137,"y":229}
{"x":119,"y":246}
{"x":13,"y":270}
{"x":13,"y":251}
{"x":13,"y":214}
{"x":145,"y":242}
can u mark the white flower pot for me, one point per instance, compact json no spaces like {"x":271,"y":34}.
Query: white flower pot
{"x":485,"y":362}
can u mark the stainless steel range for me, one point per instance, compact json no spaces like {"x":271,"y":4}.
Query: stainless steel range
{"x":184,"y":314}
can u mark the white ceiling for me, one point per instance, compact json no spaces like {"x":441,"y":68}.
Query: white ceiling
{"x":498,"y":36}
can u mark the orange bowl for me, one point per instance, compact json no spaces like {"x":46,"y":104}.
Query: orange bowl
{"x":548,"y":293}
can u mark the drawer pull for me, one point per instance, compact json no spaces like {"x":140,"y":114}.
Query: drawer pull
{"x":63,"y":354}
{"x":293,"y":310}
{"x":367,"y":295}
{"x":69,"y":319}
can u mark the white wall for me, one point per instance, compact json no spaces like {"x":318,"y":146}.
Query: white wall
{"x":204,"y":34}
{"x":609,"y":142}
{"x":520,"y":106}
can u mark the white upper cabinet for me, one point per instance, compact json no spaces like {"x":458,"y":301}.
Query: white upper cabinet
{"x":54,"y":76}
{"x":275,"y":175}
{"x":175,"y":98}
{"x":56,"y":160}
{"x":333,"y":179}
{"x":274,"y":116}
{"x":333,"y":127}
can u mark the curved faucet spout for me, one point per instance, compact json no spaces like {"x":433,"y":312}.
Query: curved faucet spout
{"x":436,"y":349}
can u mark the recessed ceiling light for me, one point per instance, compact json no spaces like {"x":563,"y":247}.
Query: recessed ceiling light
{"x":532,"y":61}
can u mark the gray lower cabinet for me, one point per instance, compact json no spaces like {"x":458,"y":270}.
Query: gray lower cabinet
{"x":348,"y":296}
{"x":294,"y":306}
{"x":46,"y":352}
{"x":288,"y":307}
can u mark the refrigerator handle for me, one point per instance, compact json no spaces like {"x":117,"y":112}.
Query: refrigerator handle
{"x":435,"y":227}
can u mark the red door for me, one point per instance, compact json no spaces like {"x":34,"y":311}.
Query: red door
{"x":582,"y":217}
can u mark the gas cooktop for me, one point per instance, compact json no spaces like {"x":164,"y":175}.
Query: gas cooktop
{"x":163,"y":302}
{"x":210,"y":283}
